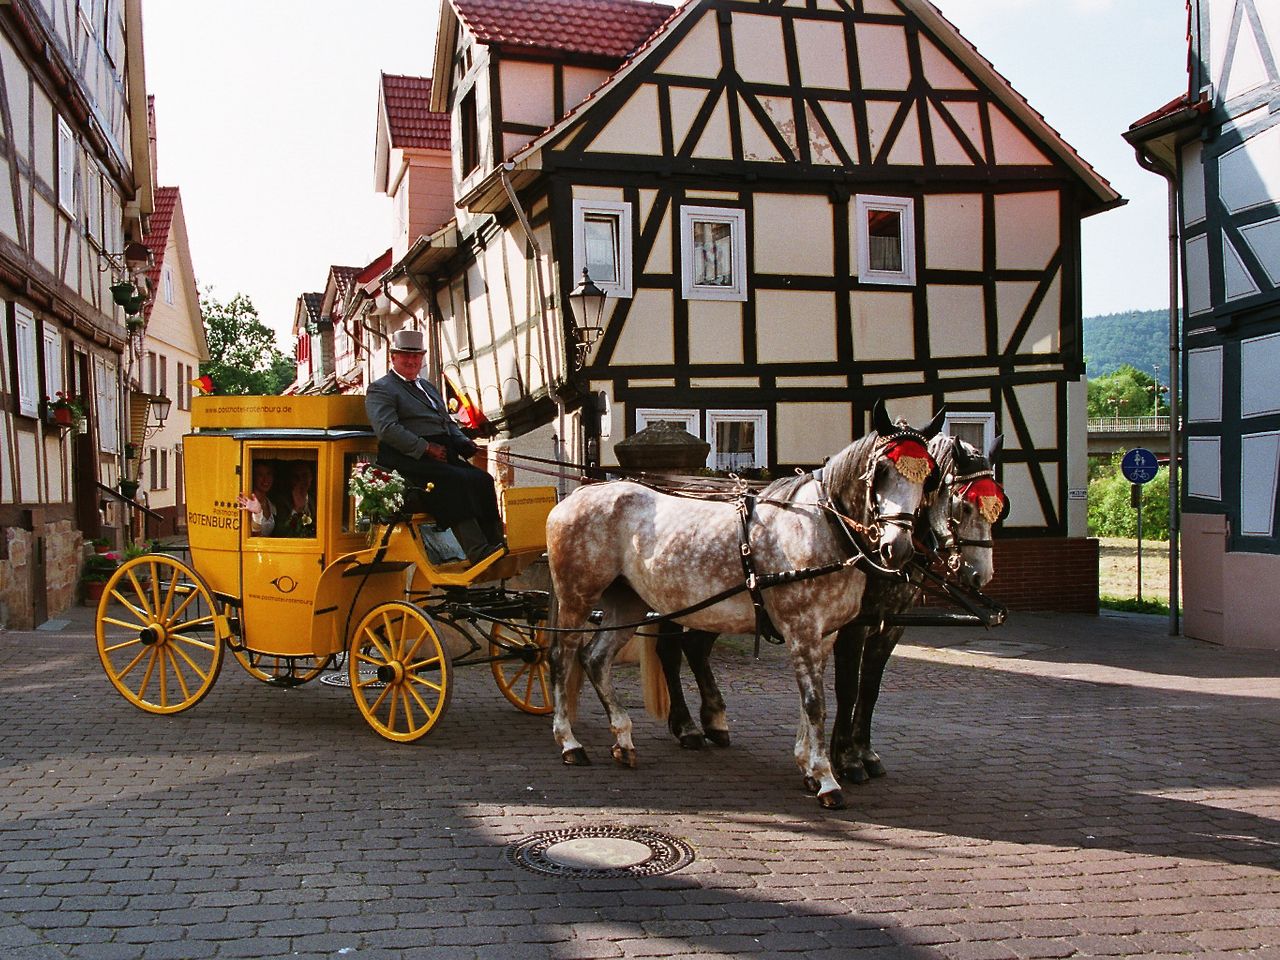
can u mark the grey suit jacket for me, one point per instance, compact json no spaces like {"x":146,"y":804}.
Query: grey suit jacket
{"x":403,"y":419}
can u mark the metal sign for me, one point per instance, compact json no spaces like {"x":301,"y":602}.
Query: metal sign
{"x":1139,"y":465}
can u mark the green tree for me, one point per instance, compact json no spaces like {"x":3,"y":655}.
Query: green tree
{"x":1111,"y":512}
{"x":1126,"y":393}
{"x":243,"y":356}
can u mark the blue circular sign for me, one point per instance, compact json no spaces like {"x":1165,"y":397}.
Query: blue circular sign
{"x":1139,"y":465}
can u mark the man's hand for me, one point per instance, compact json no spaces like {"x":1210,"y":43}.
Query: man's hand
{"x":436,"y":451}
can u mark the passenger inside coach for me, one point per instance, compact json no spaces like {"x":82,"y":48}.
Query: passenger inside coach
{"x":262,"y":510}
{"x":297,"y":515}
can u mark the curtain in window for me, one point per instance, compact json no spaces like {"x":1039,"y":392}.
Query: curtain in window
{"x":712,"y":253}
{"x":600,"y":233}
{"x":884,"y":239}
{"x":735,"y":444}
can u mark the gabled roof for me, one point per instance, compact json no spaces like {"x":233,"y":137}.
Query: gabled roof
{"x":406,"y":103}
{"x":311,"y":305}
{"x":157,"y":239}
{"x":526,"y":161}
{"x":599,"y":28}
{"x":599,"y":32}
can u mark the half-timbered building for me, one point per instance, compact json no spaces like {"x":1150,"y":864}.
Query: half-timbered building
{"x":795,"y":209}
{"x":78,"y":188}
{"x":1219,"y":143}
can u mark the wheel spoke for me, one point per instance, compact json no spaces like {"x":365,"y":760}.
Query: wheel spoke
{"x":437,"y":687}
{"x":182,"y":681}
{"x":168,"y":596}
{"x":377,"y":642}
{"x":120,"y":623}
{"x":147,"y":609}
{"x":143,"y":620}
{"x":176,"y":651}
{"x":421,"y":703}
{"x":120,"y":675}
{"x":409,"y":725}
{"x":183,"y":606}
{"x":146,"y":677}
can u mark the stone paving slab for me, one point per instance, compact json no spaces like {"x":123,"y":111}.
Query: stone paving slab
{"x":1063,"y":786}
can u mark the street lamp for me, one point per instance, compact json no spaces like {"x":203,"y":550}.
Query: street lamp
{"x":586,"y":302}
{"x":160,"y":407}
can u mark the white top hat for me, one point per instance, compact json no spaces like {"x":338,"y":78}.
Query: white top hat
{"x":408,"y":341}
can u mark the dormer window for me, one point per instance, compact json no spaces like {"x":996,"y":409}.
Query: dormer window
{"x":469,"y":133}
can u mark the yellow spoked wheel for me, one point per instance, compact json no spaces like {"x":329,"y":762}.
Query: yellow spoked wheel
{"x":400,"y":673}
{"x":159,"y":637}
{"x":525,"y":679}
{"x":280,"y":671}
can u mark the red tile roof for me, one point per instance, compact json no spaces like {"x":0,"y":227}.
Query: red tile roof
{"x":157,"y":238}
{"x":410,"y":122}
{"x":375,"y":269}
{"x":602,"y":28}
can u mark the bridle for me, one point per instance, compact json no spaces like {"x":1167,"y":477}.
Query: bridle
{"x":950,"y":541}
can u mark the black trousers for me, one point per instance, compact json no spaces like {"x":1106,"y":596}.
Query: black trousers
{"x":461,"y":490}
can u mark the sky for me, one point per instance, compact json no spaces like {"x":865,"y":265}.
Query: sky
{"x":266,"y":115}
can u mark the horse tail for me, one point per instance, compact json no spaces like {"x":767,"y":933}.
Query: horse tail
{"x":657,"y":698}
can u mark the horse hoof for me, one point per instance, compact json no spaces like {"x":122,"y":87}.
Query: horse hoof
{"x":691,"y":741}
{"x":577,"y":757}
{"x":874,"y":768}
{"x":719,"y":737}
{"x":831,"y":800}
{"x":854,"y":774}
{"x":811,"y":784}
{"x":626,"y":758}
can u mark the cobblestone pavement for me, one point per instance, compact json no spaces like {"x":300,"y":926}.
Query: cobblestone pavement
{"x":1068,"y":786}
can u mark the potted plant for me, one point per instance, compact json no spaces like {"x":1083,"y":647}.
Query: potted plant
{"x":128,"y":488}
{"x":65,"y":410}
{"x":98,"y":569}
{"x":100,"y":544}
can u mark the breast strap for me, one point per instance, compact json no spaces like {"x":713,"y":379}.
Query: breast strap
{"x":746,"y":507}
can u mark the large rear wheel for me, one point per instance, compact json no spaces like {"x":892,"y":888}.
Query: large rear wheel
{"x":400,"y":672}
{"x":159,"y":638}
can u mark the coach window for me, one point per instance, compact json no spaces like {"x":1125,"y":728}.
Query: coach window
{"x":886,"y":239}
{"x":294,"y":494}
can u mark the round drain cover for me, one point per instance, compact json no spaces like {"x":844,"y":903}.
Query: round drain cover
{"x":601,"y":852}
{"x":340,"y":678}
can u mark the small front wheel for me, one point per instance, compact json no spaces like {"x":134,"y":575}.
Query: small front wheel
{"x":521,"y":666}
{"x":400,"y":672}
{"x":159,"y":635}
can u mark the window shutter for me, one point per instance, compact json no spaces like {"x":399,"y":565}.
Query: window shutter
{"x":66,"y":168}
{"x":24,"y":328}
{"x":53,"y":378}
{"x":107,"y":404}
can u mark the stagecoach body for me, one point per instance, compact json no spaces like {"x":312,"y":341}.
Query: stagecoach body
{"x":287,"y":604}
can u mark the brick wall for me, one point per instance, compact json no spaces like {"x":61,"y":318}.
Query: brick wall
{"x":1056,"y":573}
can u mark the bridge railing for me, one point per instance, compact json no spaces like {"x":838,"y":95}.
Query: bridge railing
{"x":1129,"y":424}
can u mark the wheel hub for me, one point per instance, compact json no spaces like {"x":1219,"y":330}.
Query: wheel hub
{"x":392,"y":672}
{"x":153,"y":633}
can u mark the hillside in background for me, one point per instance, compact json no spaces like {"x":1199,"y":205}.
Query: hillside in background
{"x":1139,"y":338}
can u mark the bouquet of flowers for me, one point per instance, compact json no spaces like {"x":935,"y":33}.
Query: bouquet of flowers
{"x":379,"y":493}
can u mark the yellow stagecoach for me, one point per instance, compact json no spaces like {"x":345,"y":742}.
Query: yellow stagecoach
{"x":321,"y":589}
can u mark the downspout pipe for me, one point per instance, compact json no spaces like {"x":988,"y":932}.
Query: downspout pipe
{"x":1175,"y":356}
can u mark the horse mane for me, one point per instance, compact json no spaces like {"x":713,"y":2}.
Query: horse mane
{"x":845,"y":475}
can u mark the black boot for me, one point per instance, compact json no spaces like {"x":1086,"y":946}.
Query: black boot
{"x":472,"y":539}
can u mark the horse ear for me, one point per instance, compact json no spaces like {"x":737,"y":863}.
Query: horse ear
{"x":993,"y":452}
{"x":935,"y":424}
{"x":960,"y":453}
{"x":880,"y":420}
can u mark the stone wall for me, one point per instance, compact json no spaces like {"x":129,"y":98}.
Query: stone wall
{"x":63,"y":555}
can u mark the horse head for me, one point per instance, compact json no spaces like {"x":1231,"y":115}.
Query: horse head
{"x":970,"y":502}
{"x":900,"y":473}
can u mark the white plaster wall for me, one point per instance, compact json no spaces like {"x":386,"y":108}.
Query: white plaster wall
{"x":1077,"y":456}
{"x":698,"y":54}
{"x":1193,"y":208}
{"x":634,"y":129}
{"x":758,"y":51}
{"x":1028,"y":227}
{"x":956,"y":324}
{"x":579,"y":82}
{"x":795,"y":326}
{"x":823,"y":61}
{"x":882,"y":56}
{"x":528,"y":92}
{"x":715,"y":331}
{"x":953,"y":231}
{"x":808,"y":432}
{"x":793,"y":234}
{"x":647,"y":336}
{"x":883,"y":325}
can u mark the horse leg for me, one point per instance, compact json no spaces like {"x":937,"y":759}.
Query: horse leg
{"x":621,"y":605}
{"x":697,"y":650}
{"x":874,"y":660}
{"x":809,"y":657}
{"x":850,"y":651}
{"x":566,"y":682}
{"x":679,"y":721}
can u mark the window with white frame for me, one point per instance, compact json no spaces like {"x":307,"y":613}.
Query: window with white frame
{"x":602,"y":245}
{"x":886,"y":239}
{"x":713,"y":253}
{"x":51,"y":338}
{"x":93,"y":202}
{"x":738,"y":438}
{"x":66,"y":168}
{"x":976,"y":429}
{"x":106,"y":389}
{"x":689,"y":419}
{"x":24,"y":343}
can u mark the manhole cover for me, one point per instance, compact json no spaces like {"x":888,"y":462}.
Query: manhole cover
{"x":339,"y":678}
{"x":1002,"y":648}
{"x":601,"y":852}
